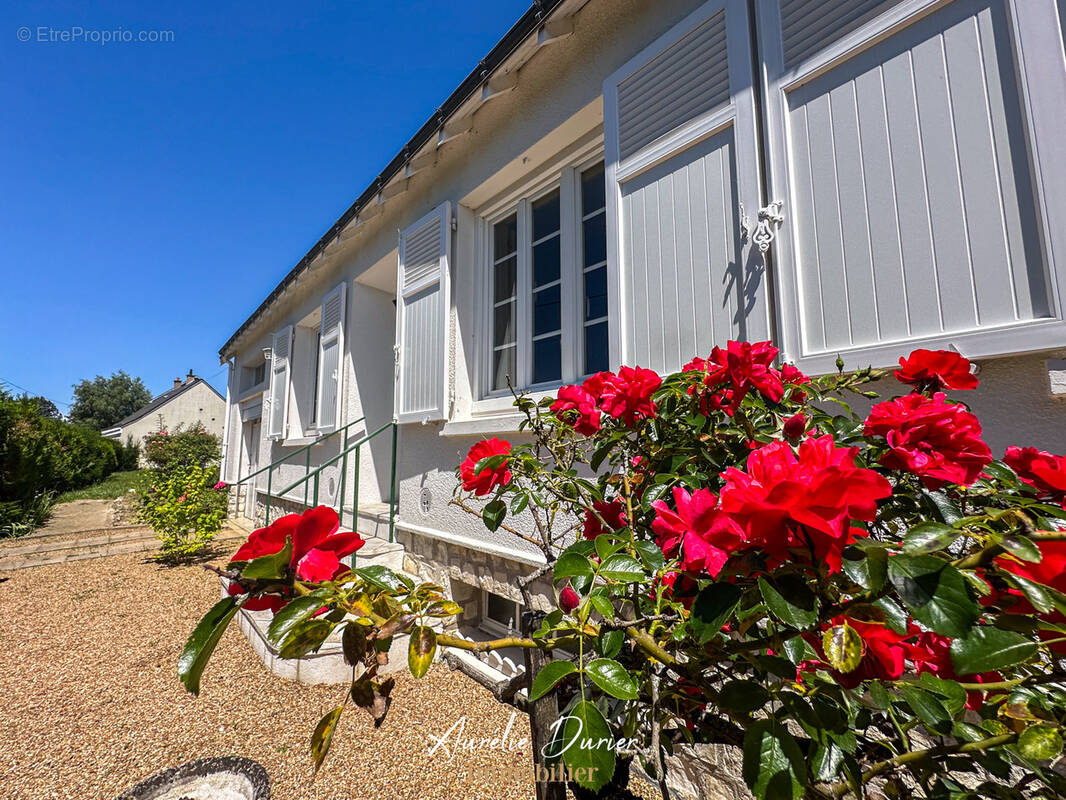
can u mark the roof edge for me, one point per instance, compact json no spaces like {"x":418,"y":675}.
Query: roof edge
{"x":528,"y":23}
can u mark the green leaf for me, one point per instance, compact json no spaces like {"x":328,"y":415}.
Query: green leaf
{"x":928,"y":537}
{"x":571,"y":565}
{"x":935,"y":593}
{"x":791,"y":601}
{"x":774,"y":767}
{"x":421,"y":649}
{"x":986,"y":649}
{"x":494,"y":514}
{"x":1040,"y":743}
{"x":828,"y":758}
{"x":584,"y":742}
{"x":612,"y":678}
{"x":491,"y":463}
{"x":927,"y":708}
{"x":621,"y":567}
{"x":843,"y":647}
{"x":519,"y":503}
{"x":293,"y":613}
{"x":743,"y":697}
{"x":305,"y":637}
{"x":201,"y":644}
{"x":1022,"y":547}
{"x":948,"y":508}
{"x":953,"y":694}
{"x":650,"y":554}
{"x":714,"y":604}
{"x":609,"y":644}
{"x":603,"y":605}
{"x":549,"y":676}
{"x":868,"y":567}
{"x":380,"y":576}
{"x":269,"y":567}
{"x":322,"y":738}
{"x":605,"y":547}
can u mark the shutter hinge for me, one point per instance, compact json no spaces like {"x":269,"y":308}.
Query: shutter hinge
{"x":769,"y":218}
{"x":455,"y":223}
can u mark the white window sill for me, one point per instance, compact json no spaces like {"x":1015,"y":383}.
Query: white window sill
{"x":477,"y":426}
{"x":300,"y":441}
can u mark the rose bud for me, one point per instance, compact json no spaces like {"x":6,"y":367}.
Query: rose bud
{"x":569,"y":599}
{"x":795,"y":426}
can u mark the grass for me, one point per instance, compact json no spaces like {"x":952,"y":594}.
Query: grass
{"x":114,"y":485}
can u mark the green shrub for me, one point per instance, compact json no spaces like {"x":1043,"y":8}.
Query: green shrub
{"x":40,"y":457}
{"x":179,"y":499}
{"x":168,"y":450}
{"x":183,"y":508}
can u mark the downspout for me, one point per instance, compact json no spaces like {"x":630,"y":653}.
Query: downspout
{"x":223,"y":467}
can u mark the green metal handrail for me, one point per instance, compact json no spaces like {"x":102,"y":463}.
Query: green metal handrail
{"x":343,"y":458}
{"x":306,"y":450}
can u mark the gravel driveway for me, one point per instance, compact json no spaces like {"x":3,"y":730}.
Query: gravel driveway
{"x":90,"y":703}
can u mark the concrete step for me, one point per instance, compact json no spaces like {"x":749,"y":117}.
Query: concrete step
{"x":379,"y":551}
{"x":372,"y":520}
{"x":67,"y":541}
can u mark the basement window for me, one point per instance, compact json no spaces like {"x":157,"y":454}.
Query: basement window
{"x":499,"y":616}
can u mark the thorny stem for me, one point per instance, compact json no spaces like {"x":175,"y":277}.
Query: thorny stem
{"x":455,"y":501}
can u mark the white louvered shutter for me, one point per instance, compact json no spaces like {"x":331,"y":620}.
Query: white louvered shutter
{"x":423,"y":300}
{"x":681,"y":140}
{"x":330,"y":348}
{"x":280,"y":354}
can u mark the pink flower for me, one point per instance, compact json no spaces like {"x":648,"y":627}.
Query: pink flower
{"x":786,"y":502}
{"x":613,"y":513}
{"x":220,"y":485}
{"x":627,"y":395}
{"x":706,"y":536}
{"x":481,"y":483}
{"x":577,"y":399}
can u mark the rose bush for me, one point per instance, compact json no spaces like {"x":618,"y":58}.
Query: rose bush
{"x":861,"y":604}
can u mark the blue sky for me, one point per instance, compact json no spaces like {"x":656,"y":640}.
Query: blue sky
{"x":152,"y":194}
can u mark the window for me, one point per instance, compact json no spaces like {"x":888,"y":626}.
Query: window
{"x":499,"y":616}
{"x":547,"y":250}
{"x":252,"y":376}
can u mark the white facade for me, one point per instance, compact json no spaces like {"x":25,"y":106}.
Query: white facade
{"x":916,"y":153}
{"x":190,"y":402}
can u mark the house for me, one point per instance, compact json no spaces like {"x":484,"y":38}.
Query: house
{"x":635,"y":181}
{"x":188,"y":402}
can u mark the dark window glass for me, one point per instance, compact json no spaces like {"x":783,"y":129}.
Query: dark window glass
{"x":596,"y":293}
{"x":546,"y":311}
{"x":502,"y":367}
{"x":594,"y":234}
{"x":593,"y":190}
{"x":546,"y":262}
{"x":547,"y":360}
{"x":504,"y":324}
{"x":596,"y":358}
{"x":505,"y":238}
{"x":506,"y":273}
{"x":546,"y":215}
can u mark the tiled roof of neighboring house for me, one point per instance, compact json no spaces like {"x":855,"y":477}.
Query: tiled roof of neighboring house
{"x":161,"y":401}
{"x":527,"y":25}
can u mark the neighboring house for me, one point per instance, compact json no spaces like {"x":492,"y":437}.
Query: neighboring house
{"x":635,"y":181}
{"x":190,"y":401}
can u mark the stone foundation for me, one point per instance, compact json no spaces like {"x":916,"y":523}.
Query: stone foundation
{"x":461,"y":569}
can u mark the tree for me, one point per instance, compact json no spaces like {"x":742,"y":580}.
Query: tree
{"x":45,"y":407}
{"x":102,"y":402}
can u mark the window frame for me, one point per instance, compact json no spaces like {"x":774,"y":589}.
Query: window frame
{"x":564,"y":175}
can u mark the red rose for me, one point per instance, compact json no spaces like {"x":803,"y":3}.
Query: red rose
{"x":883,"y":653}
{"x":930,"y":370}
{"x":613,"y":513}
{"x":1043,"y":471}
{"x":627,"y":395}
{"x":938,"y":441}
{"x":488,"y":479}
{"x":806,"y":502}
{"x":795,"y":426}
{"x":317,"y":549}
{"x":738,"y":369}
{"x":568,"y":599}
{"x":1049,"y":571}
{"x":577,"y":399}
{"x":706,"y":536}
